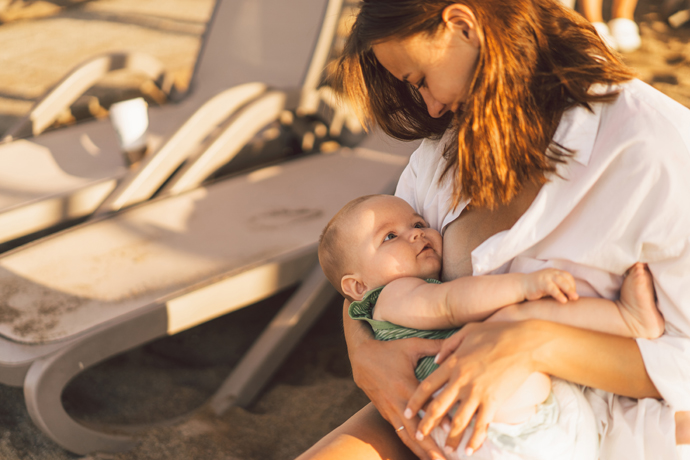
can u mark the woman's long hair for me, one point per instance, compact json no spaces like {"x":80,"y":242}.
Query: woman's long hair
{"x":536,"y":60}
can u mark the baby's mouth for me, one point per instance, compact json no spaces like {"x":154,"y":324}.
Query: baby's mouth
{"x":426,"y":247}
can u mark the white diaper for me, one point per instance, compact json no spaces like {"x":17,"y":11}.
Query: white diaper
{"x":563,"y":428}
{"x":684,"y":452}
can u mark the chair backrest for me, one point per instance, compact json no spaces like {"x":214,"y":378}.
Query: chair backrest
{"x":309,"y":96}
{"x":271,"y":41}
{"x":283,"y":44}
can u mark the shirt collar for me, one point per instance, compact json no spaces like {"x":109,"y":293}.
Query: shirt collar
{"x":577,"y":131}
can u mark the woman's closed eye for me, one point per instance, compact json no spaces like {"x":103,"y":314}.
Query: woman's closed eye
{"x":421,"y":83}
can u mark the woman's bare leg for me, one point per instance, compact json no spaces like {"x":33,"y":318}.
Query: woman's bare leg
{"x":365,"y":436}
{"x":623,"y":9}
{"x":591,"y":9}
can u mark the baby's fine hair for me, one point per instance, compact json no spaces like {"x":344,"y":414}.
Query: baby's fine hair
{"x":334,"y":258}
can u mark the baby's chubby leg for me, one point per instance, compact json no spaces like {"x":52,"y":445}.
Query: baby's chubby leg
{"x":633,"y":315}
{"x":523,"y":403}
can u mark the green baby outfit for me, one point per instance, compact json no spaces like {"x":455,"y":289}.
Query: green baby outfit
{"x":383,"y":330}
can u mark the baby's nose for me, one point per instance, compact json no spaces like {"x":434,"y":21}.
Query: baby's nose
{"x":417,"y":233}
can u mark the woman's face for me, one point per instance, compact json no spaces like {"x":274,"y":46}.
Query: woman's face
{"x":440,"y":66}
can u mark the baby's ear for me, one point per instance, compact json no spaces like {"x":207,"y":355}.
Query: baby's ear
{"x":353,"y":287}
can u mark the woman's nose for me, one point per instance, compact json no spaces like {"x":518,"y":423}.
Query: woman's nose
{"x":435,"y":108}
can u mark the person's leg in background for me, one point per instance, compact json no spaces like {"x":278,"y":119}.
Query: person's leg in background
{"x":621,"y":33}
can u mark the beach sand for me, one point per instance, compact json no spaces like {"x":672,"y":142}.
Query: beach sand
{"x":164,"y":385}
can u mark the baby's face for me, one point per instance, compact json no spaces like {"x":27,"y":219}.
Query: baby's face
{"x":390,"y":241}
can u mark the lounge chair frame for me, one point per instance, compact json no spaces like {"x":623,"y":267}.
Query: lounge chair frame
{"x":45,"y":369}
{"x":45,"y":365}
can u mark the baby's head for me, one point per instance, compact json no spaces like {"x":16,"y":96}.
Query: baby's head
{"x":374,"y":240}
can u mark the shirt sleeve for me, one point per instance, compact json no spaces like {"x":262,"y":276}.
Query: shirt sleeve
{"x":667,"y":359}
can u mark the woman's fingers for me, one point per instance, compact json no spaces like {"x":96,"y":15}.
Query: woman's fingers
{"x":481,"y":424}
{"x":437,"y":410}
{"x":425,"y":390}
{"x":449,"y":345}
{"x":461,"y":421}
{"x":425,"y":449}
{"x":427,"y":347}
{"x":492,"y":359}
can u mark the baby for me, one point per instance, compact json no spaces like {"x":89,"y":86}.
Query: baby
{"x":382,"y":256}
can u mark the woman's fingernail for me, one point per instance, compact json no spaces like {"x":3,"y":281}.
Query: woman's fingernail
{"x":469,"y":451}
{"x":419,"y":436}
{"x":448,"y":449}
{"x":407,"y":414}
{"x":436,"y":358}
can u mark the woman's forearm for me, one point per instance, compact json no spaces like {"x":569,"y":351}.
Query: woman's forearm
{"x":608,"y":362}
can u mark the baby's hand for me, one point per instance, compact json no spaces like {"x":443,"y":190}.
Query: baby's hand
{"x":550,"y":282}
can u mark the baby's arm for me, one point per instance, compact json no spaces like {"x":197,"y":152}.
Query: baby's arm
{"x":414,"y":303}
{"x":633,"y":315}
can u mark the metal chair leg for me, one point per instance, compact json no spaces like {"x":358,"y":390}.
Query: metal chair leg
{"x":275,"y":343}
{"x":48,"y":377}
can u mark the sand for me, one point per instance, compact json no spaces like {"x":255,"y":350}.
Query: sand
{"x":163,"y":386}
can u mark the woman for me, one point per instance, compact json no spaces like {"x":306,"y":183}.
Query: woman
{"x":565,"y":161}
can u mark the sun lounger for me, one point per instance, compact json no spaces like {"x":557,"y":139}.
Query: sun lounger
{"x":58,"y":178}
{"x":188,"y":255}
{"x":79,"y":296}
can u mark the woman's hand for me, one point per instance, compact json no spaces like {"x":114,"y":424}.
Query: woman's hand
{"x":385,"y":372}
{"x":483,"y":363}
{"x":481,"y":366}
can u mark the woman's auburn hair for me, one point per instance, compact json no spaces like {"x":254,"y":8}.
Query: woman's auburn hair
{"x":536,"y":59}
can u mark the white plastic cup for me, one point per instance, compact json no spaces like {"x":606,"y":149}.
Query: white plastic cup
{"x":131,"y":121}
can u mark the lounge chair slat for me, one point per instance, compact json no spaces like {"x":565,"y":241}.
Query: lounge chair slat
{"x":64,"y":285}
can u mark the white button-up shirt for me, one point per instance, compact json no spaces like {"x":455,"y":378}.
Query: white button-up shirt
{"x":623,"y":198}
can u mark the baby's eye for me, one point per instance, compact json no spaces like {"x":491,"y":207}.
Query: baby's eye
{"x":420,"y":225}
{"x":389,"y":237}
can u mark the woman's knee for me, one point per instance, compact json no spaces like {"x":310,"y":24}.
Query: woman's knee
{"x":366,"y":435}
